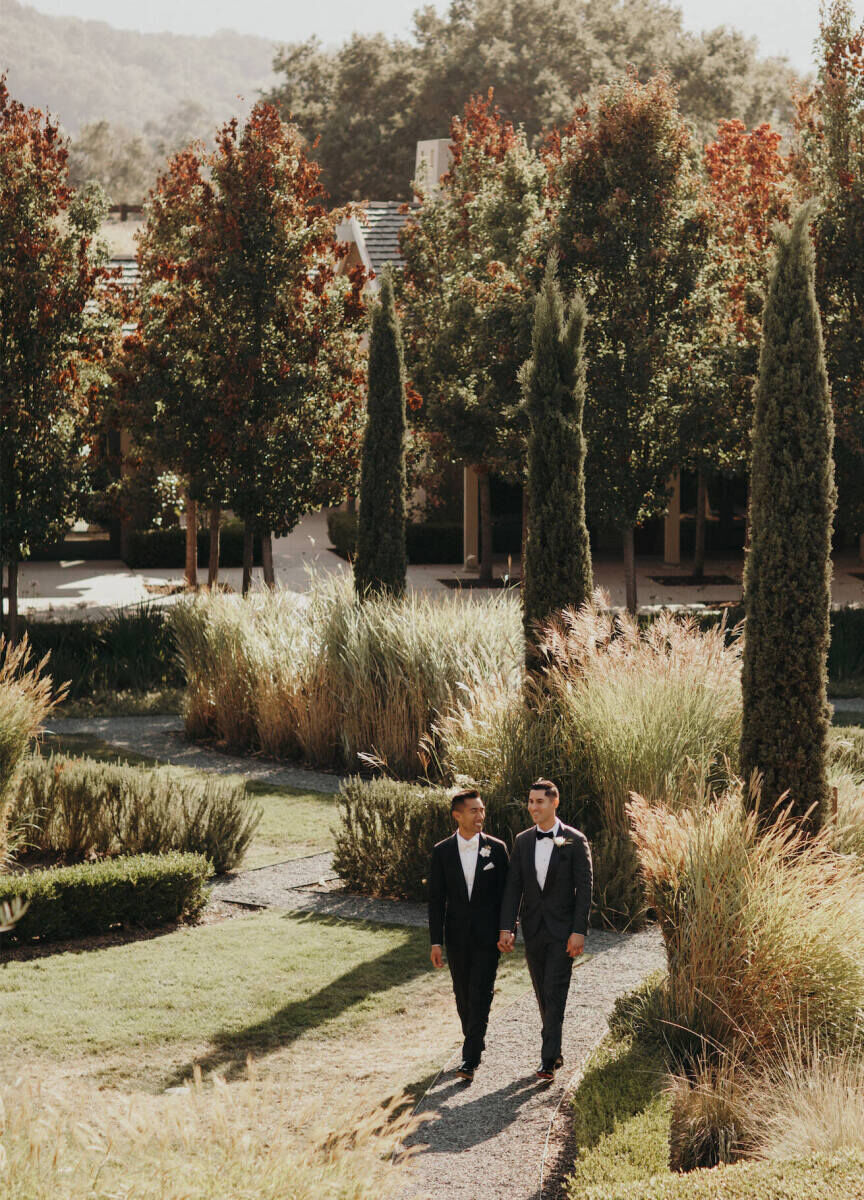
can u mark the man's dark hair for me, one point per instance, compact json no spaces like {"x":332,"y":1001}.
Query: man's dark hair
{"x":463,"y":797}
{"x":547,"y":786}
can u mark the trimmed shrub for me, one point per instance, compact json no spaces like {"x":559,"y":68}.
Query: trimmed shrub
{"x":91,"y":898}
{"x":388,"y":829}
{"x":130,"y":650}
{"x":79,"y":807}
{"x":166,"y":548}
{"x":764,"y":931}
{"x":846,"y":652}
{"x":818,"y":1177}
{"x":425,"y":541}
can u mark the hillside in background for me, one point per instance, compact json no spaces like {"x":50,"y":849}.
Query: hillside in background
{"x":87,"y":71}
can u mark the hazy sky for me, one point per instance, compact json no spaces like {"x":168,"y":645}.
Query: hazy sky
{"x":782,"y":26}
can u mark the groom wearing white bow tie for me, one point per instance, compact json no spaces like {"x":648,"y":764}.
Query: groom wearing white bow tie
{"x":466,"y":886}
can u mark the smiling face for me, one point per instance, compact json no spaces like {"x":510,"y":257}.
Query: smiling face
{"x":469,"y":817}
{"x":542,"y":808}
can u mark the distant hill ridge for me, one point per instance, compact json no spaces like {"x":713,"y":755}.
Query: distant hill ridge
{"x":84,"y":71}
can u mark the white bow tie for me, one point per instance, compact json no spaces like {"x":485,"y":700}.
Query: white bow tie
{"x":471,"y":844}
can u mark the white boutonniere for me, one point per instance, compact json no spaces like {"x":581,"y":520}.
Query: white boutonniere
{"x":560,"y":841}
{"x":485,"y":851}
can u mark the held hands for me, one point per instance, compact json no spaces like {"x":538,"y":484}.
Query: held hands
{"x":436,"y":958}
{"x":506,"y":941}
{"x":575,"y":944}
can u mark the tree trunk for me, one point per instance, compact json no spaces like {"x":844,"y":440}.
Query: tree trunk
{"x":267,"y":560}
{"x":629,"y":569}
{"x":485,"y":526}
{"x":12,"y":593}
{"x":191,"y":542}
{"x":213,"y":560}
{"x":524,"y":531}
{"x":248,"y":544}
{"x":351,"y":504}
{"x":699,"y":542}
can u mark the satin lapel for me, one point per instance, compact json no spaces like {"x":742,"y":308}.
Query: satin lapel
{"x":529,"y":867}
{"x":456,"y":867}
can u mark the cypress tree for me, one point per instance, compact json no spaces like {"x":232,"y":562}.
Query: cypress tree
{"x":381,"y":562}
{"x":787,"y":581}
{"x":556,"y":572}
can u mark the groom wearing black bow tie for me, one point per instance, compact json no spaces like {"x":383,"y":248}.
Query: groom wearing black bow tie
{"x":466,"y":884}
{"x":550,"y":878}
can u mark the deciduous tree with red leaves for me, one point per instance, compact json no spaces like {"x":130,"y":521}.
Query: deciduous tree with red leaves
{"x":51,"y":342}
{"x":829,"y":164}
{"x":471,"y":270}
{"x":251,"y":333}
{"x":633,"y":233}
{"x":747,"y":188}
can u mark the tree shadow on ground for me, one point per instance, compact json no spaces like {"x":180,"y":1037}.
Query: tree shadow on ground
{"x":615,"y":1090}
{"x":231,"y":1047}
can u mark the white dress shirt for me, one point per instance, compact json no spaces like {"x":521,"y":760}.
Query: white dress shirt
{"x":469,"y":848}
{"x":542,"y":854}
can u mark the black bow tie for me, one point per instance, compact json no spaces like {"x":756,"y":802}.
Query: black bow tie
{"x":540,"y":834}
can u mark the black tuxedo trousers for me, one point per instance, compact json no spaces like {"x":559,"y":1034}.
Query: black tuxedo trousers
{"x":468,"y":928}
{"x":548,"y":917}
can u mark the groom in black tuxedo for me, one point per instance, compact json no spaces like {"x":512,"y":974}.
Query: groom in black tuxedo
{"x":466,"y":886}
{"x":550,"y":878}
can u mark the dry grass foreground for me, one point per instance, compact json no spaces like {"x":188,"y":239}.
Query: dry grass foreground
{"x":349,"y":1017}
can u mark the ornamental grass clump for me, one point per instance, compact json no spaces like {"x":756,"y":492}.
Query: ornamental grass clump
{"x":328,"y":679}
{"x":646,"y":707}
{"x":764,"y":928}
{"x":25,"y":702}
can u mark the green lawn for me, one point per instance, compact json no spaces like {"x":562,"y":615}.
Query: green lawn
{"x":293,"y":823}
{"x":265,"y":984}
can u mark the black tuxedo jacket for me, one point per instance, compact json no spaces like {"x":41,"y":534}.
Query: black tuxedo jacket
{"x":453,"y":918}
{"x":564,"y":904}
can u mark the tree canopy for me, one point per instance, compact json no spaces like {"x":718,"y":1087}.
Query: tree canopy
{"x":371,"y":99}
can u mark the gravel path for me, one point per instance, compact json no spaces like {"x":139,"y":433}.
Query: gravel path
{"x":488,"y":1139}
{"x":302,"y":885}
{"x":163,"y":739}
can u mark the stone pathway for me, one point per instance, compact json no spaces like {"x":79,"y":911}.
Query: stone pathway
{"x":488,"y":1139}
{"x":163,"y":739}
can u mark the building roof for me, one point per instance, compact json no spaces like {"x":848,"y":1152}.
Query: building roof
{"x":384,"y":220}
{"x":129,"y":277}
{"x":375,"y":235}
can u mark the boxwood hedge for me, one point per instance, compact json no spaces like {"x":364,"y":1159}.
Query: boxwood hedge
{"x":91,"y":898}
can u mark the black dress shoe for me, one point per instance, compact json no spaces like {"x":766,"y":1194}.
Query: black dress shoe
{"x":466,"y":1071}
{"x":559,"y":1063}
{"x":546,"y":1072}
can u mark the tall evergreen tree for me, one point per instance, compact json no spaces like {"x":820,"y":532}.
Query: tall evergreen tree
{"x":556,"y":571}
{"x":381,"y":562}
{"x":787,"y":581}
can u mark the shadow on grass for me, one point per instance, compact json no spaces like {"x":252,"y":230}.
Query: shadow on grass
{"x":614,"y":1090}
{"x":231,"y":1047}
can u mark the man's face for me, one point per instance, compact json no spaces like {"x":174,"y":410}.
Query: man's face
{"x":542,"y":808}
{"x":470,"y":817}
